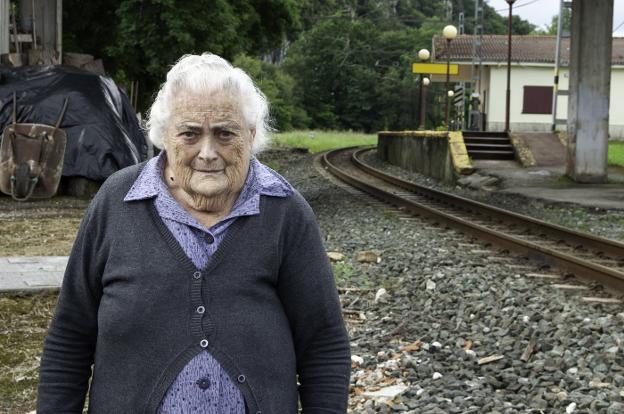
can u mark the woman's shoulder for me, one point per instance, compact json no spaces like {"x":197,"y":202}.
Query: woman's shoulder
{"x":115,"y":187}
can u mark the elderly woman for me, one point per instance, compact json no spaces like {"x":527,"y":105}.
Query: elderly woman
{"x":198,"y":282}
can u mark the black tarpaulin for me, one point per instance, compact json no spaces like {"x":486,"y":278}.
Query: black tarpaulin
{"x":103,"y":133}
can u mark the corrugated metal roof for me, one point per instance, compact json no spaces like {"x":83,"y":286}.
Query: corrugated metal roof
{"x":524,"y":49}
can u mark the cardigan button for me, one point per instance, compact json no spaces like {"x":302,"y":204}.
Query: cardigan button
{"x":203,"y":343}
{"x":197,"y":275}
{"x":200,"y":309}
{"x":241,"y":378}
{"x":203,"y":383}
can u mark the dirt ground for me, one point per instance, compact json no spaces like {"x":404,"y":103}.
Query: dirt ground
{"x":41,"y":227}
{"x":23,"y":324}
{"x":34,"y":228}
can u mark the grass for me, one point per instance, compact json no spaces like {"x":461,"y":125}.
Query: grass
{"x":616,"y":153}
{"x":23,"y":324}
{"x":318,"y":141}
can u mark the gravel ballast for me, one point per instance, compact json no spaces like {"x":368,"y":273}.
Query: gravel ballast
{"x":439,"y":324}
{"x":597,"y":221}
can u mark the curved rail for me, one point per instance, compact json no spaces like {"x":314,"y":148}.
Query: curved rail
{"x":556,"y":245}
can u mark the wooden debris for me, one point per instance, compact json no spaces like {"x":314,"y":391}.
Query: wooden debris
{"x":413,"y":347}
{"x":467,"y":344}
{"x":543,"y":275}
{"x":602,"y":300}
{"x":528,"y":351}
{"x":569,"y":287}
{"x":368,"y":257}
{"x":490,"y":359}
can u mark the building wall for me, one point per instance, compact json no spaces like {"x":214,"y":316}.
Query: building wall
{"x":541,"y":76}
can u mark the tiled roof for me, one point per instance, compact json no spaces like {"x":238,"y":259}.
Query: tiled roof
{"x":525,"y":49}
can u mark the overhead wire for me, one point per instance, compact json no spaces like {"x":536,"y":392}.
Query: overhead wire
{"x":518,"y":6}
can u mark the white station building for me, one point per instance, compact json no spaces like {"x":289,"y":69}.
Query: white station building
{"x":532,"y":79}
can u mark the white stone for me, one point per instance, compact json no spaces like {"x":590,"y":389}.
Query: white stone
{"x":571,"y":408}
{"x":380,"y":293}
{"x":436,"y":375}
{"x":573,"y":371}
{"x":335,"y":256}
{"x":436,"y":345}
{"x":357,"y":360}
{"x":599,"y":384}
{"x":430,"y":285}
{"x":387,"y":392}
{"x":470,"y":352}
{"x":526,"y":319}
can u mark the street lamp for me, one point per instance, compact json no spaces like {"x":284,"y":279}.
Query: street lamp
{"x":449,"y":33}
{"x":423,"y":54}
{"x":508,"y":97}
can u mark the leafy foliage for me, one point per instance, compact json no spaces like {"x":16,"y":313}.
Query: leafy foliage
{"x":141,"y":39}
{"x":347,"y":62}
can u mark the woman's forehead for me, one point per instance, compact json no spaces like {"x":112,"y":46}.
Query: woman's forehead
{"x":200,"y":105}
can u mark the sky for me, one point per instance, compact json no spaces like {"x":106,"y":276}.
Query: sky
{"x":540,"y":12}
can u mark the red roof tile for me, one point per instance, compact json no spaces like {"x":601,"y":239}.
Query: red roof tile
{"x":526,"y":49}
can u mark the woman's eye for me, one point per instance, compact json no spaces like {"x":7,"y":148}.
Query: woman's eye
{"x":188,"y":134}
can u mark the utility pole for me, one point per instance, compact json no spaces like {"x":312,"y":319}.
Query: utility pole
{"x":557,"y":63}
{"x":508,"y":96}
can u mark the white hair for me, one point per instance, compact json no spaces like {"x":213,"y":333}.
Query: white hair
{"x":209,"y":73}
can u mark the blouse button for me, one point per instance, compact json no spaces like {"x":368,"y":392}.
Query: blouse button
{"x":241,"y":378}
{"x":197,"y":275}
{"x":201,"y":309}
{"x":203,"y":343}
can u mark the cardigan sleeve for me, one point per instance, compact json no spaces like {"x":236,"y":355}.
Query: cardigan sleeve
{"x":308,"y":292}
{"x":70,"y":343}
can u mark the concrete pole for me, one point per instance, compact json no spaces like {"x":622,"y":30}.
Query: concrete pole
{"x":4,"y":27}
{"x":59,"y":30}
{"x":590,"y":82}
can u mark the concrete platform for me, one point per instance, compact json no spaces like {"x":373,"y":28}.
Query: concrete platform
{"x":31,"y":273}
{"x":547,"y":181}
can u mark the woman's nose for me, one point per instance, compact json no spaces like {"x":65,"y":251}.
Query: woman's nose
{"x":208,"y":151}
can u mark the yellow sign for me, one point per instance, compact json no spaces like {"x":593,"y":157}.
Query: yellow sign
{"x":435,"y":68}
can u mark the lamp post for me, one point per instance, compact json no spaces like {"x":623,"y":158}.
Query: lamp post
{"x":508,"y":96}
{"x":449,"y":33}
{"x":423,"y":55}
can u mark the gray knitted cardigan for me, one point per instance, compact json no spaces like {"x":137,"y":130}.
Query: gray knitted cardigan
{"x":131,"y":303}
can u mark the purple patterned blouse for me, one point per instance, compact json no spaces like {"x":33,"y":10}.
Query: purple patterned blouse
{"x":203,"y":386}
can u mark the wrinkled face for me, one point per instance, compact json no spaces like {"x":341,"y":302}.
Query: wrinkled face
{"x":208,"y":145}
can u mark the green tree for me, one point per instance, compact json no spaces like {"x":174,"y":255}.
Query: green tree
{"x":278,"y":88}
{"x":552,"y":28}
{"x":141,"y":39}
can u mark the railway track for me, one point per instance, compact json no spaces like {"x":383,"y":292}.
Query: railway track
{"x":589,"y":257}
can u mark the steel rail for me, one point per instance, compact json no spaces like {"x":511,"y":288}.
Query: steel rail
{"x":606,"y":276}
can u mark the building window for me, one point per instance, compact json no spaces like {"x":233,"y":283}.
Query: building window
{"x":537,"y":100}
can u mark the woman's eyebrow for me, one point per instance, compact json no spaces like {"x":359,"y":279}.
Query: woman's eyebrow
{"x":188,"y":125}
{"x":225,"y":124}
